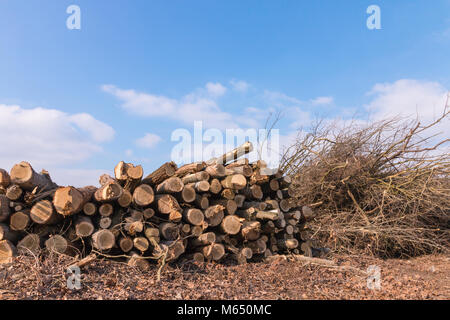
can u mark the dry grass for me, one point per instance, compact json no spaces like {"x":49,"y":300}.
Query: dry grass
{"x":382,"y":188}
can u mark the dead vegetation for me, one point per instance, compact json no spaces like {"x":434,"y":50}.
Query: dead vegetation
{"x":380,"y":188}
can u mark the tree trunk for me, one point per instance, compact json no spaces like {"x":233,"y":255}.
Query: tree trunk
{"x":126,"y":244}
{"x":7,"y":234}
{"x":187,"y":195}
{"x":214,"y":251}
{"x":200,"y":186}
{"x":215,"y":171}
{"x":162,"y":173}
{"x":57,"y":243}
{"x":89,"y":209}
{"x":31,"y":243}
{"x":166,"y":204}
{"x":125,"y":199}
{"x":203,"y":239}
{"x":106,"y":210}
{"x":25,"y":176}
{"x":202,"y":201}
{"x":253,"y":192}
{"x":44,"y":213}
{"x":69,"y":200}
{"x":230,"y":205}
{"x":109,"y":191}
{"x":190,"y":168}
{"x":233,"y":154}
{"x":215,"y":186}
{"x":287,"y":244}
{"x":251,"y":230}
{"x":227,"y":194}
{"x":235,"y":182}
{"x":128,"y":175}
{"x":139,"y":262}
{"x":141,"y":244}
{"x":143,"y":195}
{"x":169,"y":231}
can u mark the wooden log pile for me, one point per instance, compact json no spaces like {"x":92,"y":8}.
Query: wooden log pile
{"x":209,"y":211}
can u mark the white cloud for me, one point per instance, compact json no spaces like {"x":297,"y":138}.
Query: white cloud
{"x":279,"y":99}
{"x":200,"y":105}
{"x":215,"y":89}
{"x":239,"y":85}
{"x":48,"y":137}
{"x":148,"y":141}
{"x":322,"y":101}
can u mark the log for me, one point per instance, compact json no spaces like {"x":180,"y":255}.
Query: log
{"x":7,"y":252}
{"x":230,"y":205}
{"x":268,"y":227}
{"x":196,"y":177}
{"x":254,"y":204}
{"x":239,"y":199}
{"x":287,"y":244}
{"x":5,"y":210}
{"x":126,"y":244}
{"x":196,"y":257}
{"x":233,"y":154}
{"x":69,"y":200}
{"x":171,"y":185}
{"x":203,"y":239}
{"x":106,"y":210}
{"x":231,"y":225}
{"x":103,"y":239}
{"x":215,"y":171}
{"x":307,"y":213}
{"x":169,"y":231}
{"x":133,"y":226}
{"x":109,"y":191}
{"x":105,"y":222}
{"x":166,"y":204}
{"x":214,"y":251}
{"x":57,"y":243}
{"x":190,"y":168}
{"x":258,"y":247}
{"x":31,"y":243}
{"x":5,"y":179}
{"x":139,"y":262}
{"x":143,"y":195}
{"x":202,"y":201}
{"x":200,"y":186}
{"x":245,"y":170}
{"x":84,"y":226}
{"x":25,"y":176}
{"x":14,"y":192}
{"x":235,"y":182}
{"x":175,"y":249}
{"x":214,"y":215}
{"x":44,"y":213}
{"x":128,"y":175}
{"x":196,"y":231}
{"x":215,"y":186}
{"x":253,"y":192}
{"x":151,"y":233}
{"x":19,"y":221}
{"x":247,"y":253}
{"x":227,"y":194}
{"x":125,"y":199}
{"x":7,"y":234}
{"x":193,"y":216}
{"x":258,"y":178}
{"x":85,"y":261}
{"x":141,"y":243}
{"x":148,"y":213}
{"x":89,"y":208}
{"x":285,"y":205}
{"x":164,"y":172}
{"x":251,"y":230}
{"x":187,"y":195}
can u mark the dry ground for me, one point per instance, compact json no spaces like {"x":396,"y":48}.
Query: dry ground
{"x":425,"y":277}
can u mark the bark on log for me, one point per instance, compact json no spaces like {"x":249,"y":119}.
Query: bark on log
{"x":195,"y":177}
{"x":25,"y":176}
{"x":171,"y":185}
{"x":190,"y":168}
{"x":215,"y":171}
{"x":44,"y":213}
{"x":5,"y":179}
{"x":143,"y":195}
{"x":233,"y":154}
{"x":7,"y":234}
{"x":7,"y":252}
{"x":5,"y":210}
{"x":162,"y":173}
{"x":69,"y":200}
{"x":103,"y":239}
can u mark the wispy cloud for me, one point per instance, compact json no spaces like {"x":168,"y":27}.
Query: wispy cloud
{"x":239,"y":85}
{"x":148,"y":141}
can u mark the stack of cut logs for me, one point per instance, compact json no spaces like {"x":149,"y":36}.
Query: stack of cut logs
{"x":223,"y":208}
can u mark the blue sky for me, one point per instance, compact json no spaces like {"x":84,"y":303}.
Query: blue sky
{"x":76,"y":102}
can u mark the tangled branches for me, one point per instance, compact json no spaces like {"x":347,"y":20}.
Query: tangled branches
{"x":383,"y":187}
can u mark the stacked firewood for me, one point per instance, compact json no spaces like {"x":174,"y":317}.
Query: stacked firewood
{"x":223,"y":208}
